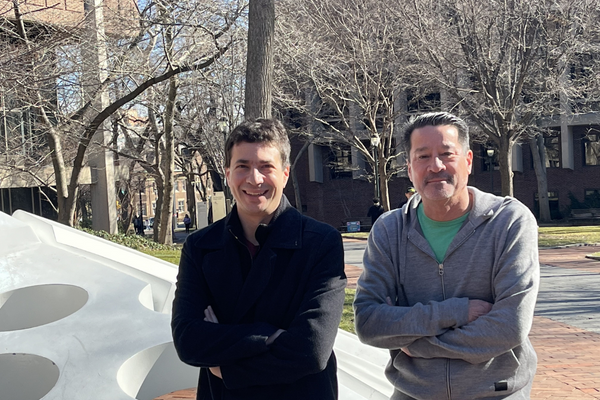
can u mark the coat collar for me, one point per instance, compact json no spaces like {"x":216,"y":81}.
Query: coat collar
{"x":284,"y":230}
{"x":485,"y":205}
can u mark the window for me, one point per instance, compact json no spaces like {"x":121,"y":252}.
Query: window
{"x":582,"y":71}
{"x":591,"y":148}
{"x":592,"y":198}
{"x":552,"y":147}
{"x":339,"y":162}
{"x":418,"y":103}
{"x":180,"y":205}
{"x":553,"y":203}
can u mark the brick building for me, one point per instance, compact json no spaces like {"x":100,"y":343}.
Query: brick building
{"x":572,"y":148}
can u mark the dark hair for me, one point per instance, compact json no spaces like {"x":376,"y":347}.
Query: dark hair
{"x":375,"y":200}
{"x":260,"y":130}
{"x":435,"y":119}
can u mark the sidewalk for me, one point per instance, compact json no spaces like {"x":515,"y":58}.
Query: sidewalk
{"x":568,"y":356}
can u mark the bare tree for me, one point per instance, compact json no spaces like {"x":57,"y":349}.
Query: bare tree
{"x":200,"y":36}
{"x":347,"y":56}
{"x":501,"y":64}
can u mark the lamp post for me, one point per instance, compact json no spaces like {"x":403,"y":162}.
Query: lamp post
{"x":222,"y":125}
{"x":375,"y":145}
{"x":490,"y":154}
{"x":141,"y":186}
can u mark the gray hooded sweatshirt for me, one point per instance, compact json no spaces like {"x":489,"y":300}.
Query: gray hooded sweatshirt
{"x":493,"y":257}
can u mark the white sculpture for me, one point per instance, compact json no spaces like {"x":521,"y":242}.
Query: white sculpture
{"x":84,"y":318}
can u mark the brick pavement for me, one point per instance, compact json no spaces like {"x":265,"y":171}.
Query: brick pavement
{"x":568,"y":357}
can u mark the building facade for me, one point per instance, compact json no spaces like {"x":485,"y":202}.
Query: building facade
{"x":334,"y":194}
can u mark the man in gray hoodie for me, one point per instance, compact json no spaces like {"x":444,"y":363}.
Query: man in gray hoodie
{"x":450,"y":280}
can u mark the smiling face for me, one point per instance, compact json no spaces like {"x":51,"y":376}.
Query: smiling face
{"x":438,"y":166}
{"x":256,"y":178}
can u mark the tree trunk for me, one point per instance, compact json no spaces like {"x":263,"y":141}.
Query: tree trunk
{"x":259,"y":63}
{"x":190,"y":194}
{"x":168,"y":165}
{"x":536,"y":144}
{"x":505,"y":161}
{"x":295,"y":183}
{"x":383,"y":182}
{"x":160,"y":190}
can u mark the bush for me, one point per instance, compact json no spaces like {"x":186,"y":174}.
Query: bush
{"x":136,"y":242}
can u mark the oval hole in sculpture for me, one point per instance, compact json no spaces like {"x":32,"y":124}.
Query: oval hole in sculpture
{"x":154,"y":372}
{"x":33,"y":306}
{"x":26,"y":376}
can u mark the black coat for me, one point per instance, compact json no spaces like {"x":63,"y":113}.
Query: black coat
{"x":296,"y":283}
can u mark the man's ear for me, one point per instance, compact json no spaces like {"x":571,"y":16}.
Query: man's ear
{"x":470,"y":160}
{"x":286,"y":174}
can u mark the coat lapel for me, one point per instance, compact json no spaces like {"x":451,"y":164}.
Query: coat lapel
{"x":222,"y":267}
{"x":224,"y":278}
{"x":256,"y":282}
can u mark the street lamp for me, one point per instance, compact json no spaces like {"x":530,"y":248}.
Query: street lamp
{"x":141,"y":216}
{"x":490,"y":154}
{"x":375,"y":145}
{"x":222,"y":125}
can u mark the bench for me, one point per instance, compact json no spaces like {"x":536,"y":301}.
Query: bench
{"x":585,"y":215}
{"x":365,"y":223}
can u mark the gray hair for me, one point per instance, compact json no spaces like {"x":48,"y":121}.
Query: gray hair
{"x":436,"y":119}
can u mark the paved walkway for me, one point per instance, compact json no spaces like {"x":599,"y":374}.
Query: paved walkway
{"x":566,"y":328}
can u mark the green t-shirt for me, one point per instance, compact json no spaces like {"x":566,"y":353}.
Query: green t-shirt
{"x":439,"y":234}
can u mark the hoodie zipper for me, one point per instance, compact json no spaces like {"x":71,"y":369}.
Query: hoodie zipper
{"x":441,"y":273}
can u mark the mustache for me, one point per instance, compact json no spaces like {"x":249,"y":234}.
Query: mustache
{"x":448,"y":178}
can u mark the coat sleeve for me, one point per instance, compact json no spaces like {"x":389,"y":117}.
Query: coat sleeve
{"x":205,"y":344}
{"x":507,"y":325}
{"x":393,"y":327}
{"x":306,"y":346}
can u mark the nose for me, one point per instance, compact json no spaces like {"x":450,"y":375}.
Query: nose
{"x":436,"y":165}
{"x":254,"y":177}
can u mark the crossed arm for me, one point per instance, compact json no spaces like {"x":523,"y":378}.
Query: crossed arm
{"x":259,"y":353}
{"x":460,"y":328}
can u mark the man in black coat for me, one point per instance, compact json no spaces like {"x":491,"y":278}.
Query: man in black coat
{"x":260,"y":293}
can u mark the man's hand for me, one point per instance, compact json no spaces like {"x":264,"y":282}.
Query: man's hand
{"x":216,"y":371}
{"x":477,"y":308}
{"x":274,"y":336}
{"x":209,"y":315}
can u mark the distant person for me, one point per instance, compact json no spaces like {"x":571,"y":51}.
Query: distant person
{"x":260,"y":292}
{"x":375,"y":210}
{"x":449,"y":284}
{"x":138,"y":225}
{"x":187,"y":222}
{"x":409,"y":193}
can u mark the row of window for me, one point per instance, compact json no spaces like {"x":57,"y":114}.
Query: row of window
{"x":340,"y":163}
{"x":590,"y":147}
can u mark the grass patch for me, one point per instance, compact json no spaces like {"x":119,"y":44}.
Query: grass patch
{"x":355,"y":235}
{"x":347,"y":323}
{"x":136,"y":242}
{"x":564,"y":235}
{"x":171,"y":256}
